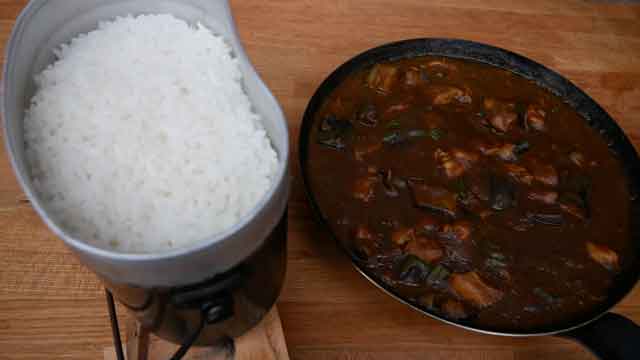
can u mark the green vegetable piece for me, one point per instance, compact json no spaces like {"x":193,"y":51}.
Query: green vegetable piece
{"x":438,"y":275}
{"x":436,"y":134}
{"x":394,"y":124}
{"x":414,"y":270}
{"x":522,"y":148}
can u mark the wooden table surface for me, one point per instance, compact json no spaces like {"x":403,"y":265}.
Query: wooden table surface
{"x":51,"y":307}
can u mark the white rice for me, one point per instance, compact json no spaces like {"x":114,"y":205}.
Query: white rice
{"x":140,"y":138}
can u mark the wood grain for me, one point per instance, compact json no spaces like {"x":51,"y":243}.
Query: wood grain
{"x":51,"y":307}
{"x":264,"y":342}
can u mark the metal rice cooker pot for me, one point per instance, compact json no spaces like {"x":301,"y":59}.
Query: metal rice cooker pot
{"x":219,"y":288}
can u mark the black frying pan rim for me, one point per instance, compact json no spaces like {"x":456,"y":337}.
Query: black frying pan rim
{"x":593,"y":114}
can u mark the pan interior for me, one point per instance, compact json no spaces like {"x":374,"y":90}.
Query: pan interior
{"x":590,"y":111}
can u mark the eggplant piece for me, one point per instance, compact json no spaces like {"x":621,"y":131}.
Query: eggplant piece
{"x":388,"y":184}
{"x":506,"y":152}
{"x":363,"y":189}
{"x":535,"y":118}
{"x":413,"y":271}
{"x":336,"y":143}
{"x":503,"y":194}
{"x":382,"y":78}
{"x":433,"y":198}
{"x":545,"y":296}
{"x":331,"y":123}
{"x":460,"y":249}
{"x":394,"y":138}
{"x":546,"y":219}
{"x":333,"y":132}
{"x":368,"y":116}
{"x":604,"y":256}
{"x":472,"y":289}
{"x":427,"y":249}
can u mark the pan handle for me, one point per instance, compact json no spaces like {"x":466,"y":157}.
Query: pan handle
{"x":611,"y":337}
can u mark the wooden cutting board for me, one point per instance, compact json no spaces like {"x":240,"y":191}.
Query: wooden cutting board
{"x":51,"y":307}
{"x":265,"y":342}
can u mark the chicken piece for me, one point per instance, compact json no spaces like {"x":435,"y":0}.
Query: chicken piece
{"x":427,"y":224}
{"x":573,"y":209}
{"x":444,"y":95}
{"x":434,"y":198}
{"x":361,"y":150}
{"x":519,"y":173}
{"x":472,"y":289}
{"x":364,"y":188}
{"x":502,"y":115}
{"x":395,"y":109}
{"x":604,"y":256}
{"x":535,"y":118}
{"x":578,"y":159}
{"x":402,"y":236}
{"x":458,"y":231}
{"x":382,"y":78}
{"x":453,"y":168}
{"x":427,"y":249}
{"x":364,"y":240}
{"x":412,"y":76}
{"x":454,"y":310}
{"x":466,"y":158}
{"x":543,"y":173}
{"x":441,"y":68}
{"x":502,"y":122}
{"x":506,"y":152}
{"x":543,"y":196}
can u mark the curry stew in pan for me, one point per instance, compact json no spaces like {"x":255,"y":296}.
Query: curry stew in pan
{"x":471,"y":192}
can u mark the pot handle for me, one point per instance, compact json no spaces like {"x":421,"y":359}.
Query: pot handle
{"x":611,"y":337}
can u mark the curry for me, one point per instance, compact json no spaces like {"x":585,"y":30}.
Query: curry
{"x":471,"y":192}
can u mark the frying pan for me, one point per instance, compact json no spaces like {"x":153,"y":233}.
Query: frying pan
{"x":607,"y":335}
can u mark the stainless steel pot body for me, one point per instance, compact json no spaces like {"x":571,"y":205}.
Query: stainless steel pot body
{"x":45,"y":25}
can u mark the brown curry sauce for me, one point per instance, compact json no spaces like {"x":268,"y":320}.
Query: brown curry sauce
{"x":471,"y":191}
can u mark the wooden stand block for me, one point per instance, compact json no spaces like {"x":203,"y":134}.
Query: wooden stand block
{"x":265,"y":342}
